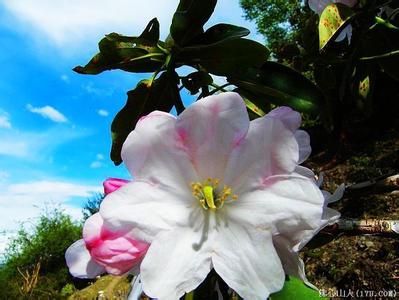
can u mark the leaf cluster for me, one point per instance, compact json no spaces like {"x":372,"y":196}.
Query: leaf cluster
{"x":222,"y":50}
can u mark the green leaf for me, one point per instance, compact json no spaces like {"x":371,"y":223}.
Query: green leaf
{"x":254,"y":102}
{"x":294,"y":288}
{"x":276,"y":83}
{"x":194,"y":81}
{"x":363,"y":86}
{"x":334,"y":18}
{"x":220,"y":33}
{"x":151,"y":33}
{"x":161,"y":94}
{"x":189,"y":19}
{"x":128,"y":53}
{"x":225,"y":58}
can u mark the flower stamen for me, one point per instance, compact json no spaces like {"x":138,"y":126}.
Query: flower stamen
{"x":210,"y":196}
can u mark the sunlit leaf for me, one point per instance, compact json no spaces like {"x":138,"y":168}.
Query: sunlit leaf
{"x":132,"y":54}
{"x":294,"y":288}
{"x":226,"y":57}
{"x":280,"y":85}
{"x":189,"y":19}
{"x":333,"y":20}
{"x":161,"y":94}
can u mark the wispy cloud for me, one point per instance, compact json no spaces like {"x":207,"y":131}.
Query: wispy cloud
{"x":103,"y":112}
{"x":37,"y":146}
{"x":69,"y":22}
{"x":5,"y":122}
{"x":48,"y":112}
{"x":76,"y":23}
{"x":65,"y":78}
{"x":25,"y":201}
{"x":98,"y":162}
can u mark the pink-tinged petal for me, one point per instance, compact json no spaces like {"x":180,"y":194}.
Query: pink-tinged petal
{"x":247,"y":261}
{"x":268,"y":149}
{"x":117,"y":251}
{"x":153,"y":152}
{"x":144,"y":209}
{"x":210,"y":128}
{"x":291,"y":205}
{"x":290,"y":118}
{"x":174,"y":265}
{"x":303,"y":140}
{"x":92,"y":227}
{"x":318,"y":5}
{"x":112,"y":184}
{"x":80,"y":263}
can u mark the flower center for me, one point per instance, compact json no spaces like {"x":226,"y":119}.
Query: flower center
{"x":210,"y":195}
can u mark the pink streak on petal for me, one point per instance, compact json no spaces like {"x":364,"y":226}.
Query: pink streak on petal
{"x":112,"y":184}
{"x":115,"y":250}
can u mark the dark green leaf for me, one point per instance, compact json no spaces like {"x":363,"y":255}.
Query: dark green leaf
{"x":219,"y":33}
{"x":281,"y":85}
{"x":194,"y":81}
{"x":128,"y":53}
{"x":225,"y":58}
{"x":151,"y":32}
{"x":294,"y":288}
{"x":254,"y":102}
{"x":161,"y":94}
{"x":189,"y":19}
{"x":334,"y":18}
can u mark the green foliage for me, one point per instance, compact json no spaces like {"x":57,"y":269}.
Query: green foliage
{"x":92,"y":206}
{"x":280,"y":21}
{"x":279,"y":84}
{"x":219,"y":50}
{"x":43,"y":251}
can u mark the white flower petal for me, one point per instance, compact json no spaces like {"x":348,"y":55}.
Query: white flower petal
{"x":290,"y":118}
{"x":174,"y":264}
{"x":247,"y":261}
{"x":291,"y":205}
{"x":153,"y":152}
{"x":145,"y":209}
{"x":303,"y":171}
{"x":318,"y":5}
{"x":268,"y":149}
{"x":337,"y":195}
{"x":210,"y":128}
{"x":293,"y":265}
{"x":80,"y":263}
{"x":303,"y":140}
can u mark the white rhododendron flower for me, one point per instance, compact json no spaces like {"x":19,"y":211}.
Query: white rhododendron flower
{"x":213,"y":190}
{"x":319,"y":5}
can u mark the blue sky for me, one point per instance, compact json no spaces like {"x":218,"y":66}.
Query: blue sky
{"x":54,"y":124}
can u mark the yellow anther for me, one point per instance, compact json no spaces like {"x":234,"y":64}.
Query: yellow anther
{"x":208,"y":193}
{"x":234,"y":197}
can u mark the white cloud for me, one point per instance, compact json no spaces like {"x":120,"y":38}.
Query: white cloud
{"x":48,"y":112}
{"x":103,"y":112}
{"x":75,"y":23}
{"x":96,"y":164}
{"x":25,"y":201}
{"x":37,"y":146}
{"x":65,"y":78}
{"x":5,"y":122}
{"x":99,"y":156}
